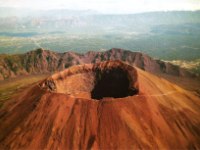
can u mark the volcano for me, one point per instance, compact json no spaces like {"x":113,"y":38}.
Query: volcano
{"x":107,"y":105}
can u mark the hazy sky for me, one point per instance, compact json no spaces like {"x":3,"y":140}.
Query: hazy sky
{"x":107,"y":6}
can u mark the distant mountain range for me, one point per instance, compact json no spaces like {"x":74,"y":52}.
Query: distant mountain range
{"x":25,"y":12}
{"x":28,"y":20}
{"x":61,"y":20}
{"x":44,"y":61}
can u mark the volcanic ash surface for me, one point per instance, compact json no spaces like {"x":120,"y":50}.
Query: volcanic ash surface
{"x":108,"y":105}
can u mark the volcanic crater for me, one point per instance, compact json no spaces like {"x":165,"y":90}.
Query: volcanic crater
{"x":112,"y":79}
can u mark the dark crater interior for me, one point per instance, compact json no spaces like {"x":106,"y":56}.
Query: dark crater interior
{"x":112,"y":83}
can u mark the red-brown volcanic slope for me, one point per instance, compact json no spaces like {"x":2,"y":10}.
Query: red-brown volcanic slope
{"x":58,"y":113}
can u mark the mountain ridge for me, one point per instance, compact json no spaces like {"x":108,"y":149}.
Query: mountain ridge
{"x":45,"y":61}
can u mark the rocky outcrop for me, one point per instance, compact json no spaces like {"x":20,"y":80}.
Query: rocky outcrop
{"x":45,"y":61}
{"x":61,"y":113}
